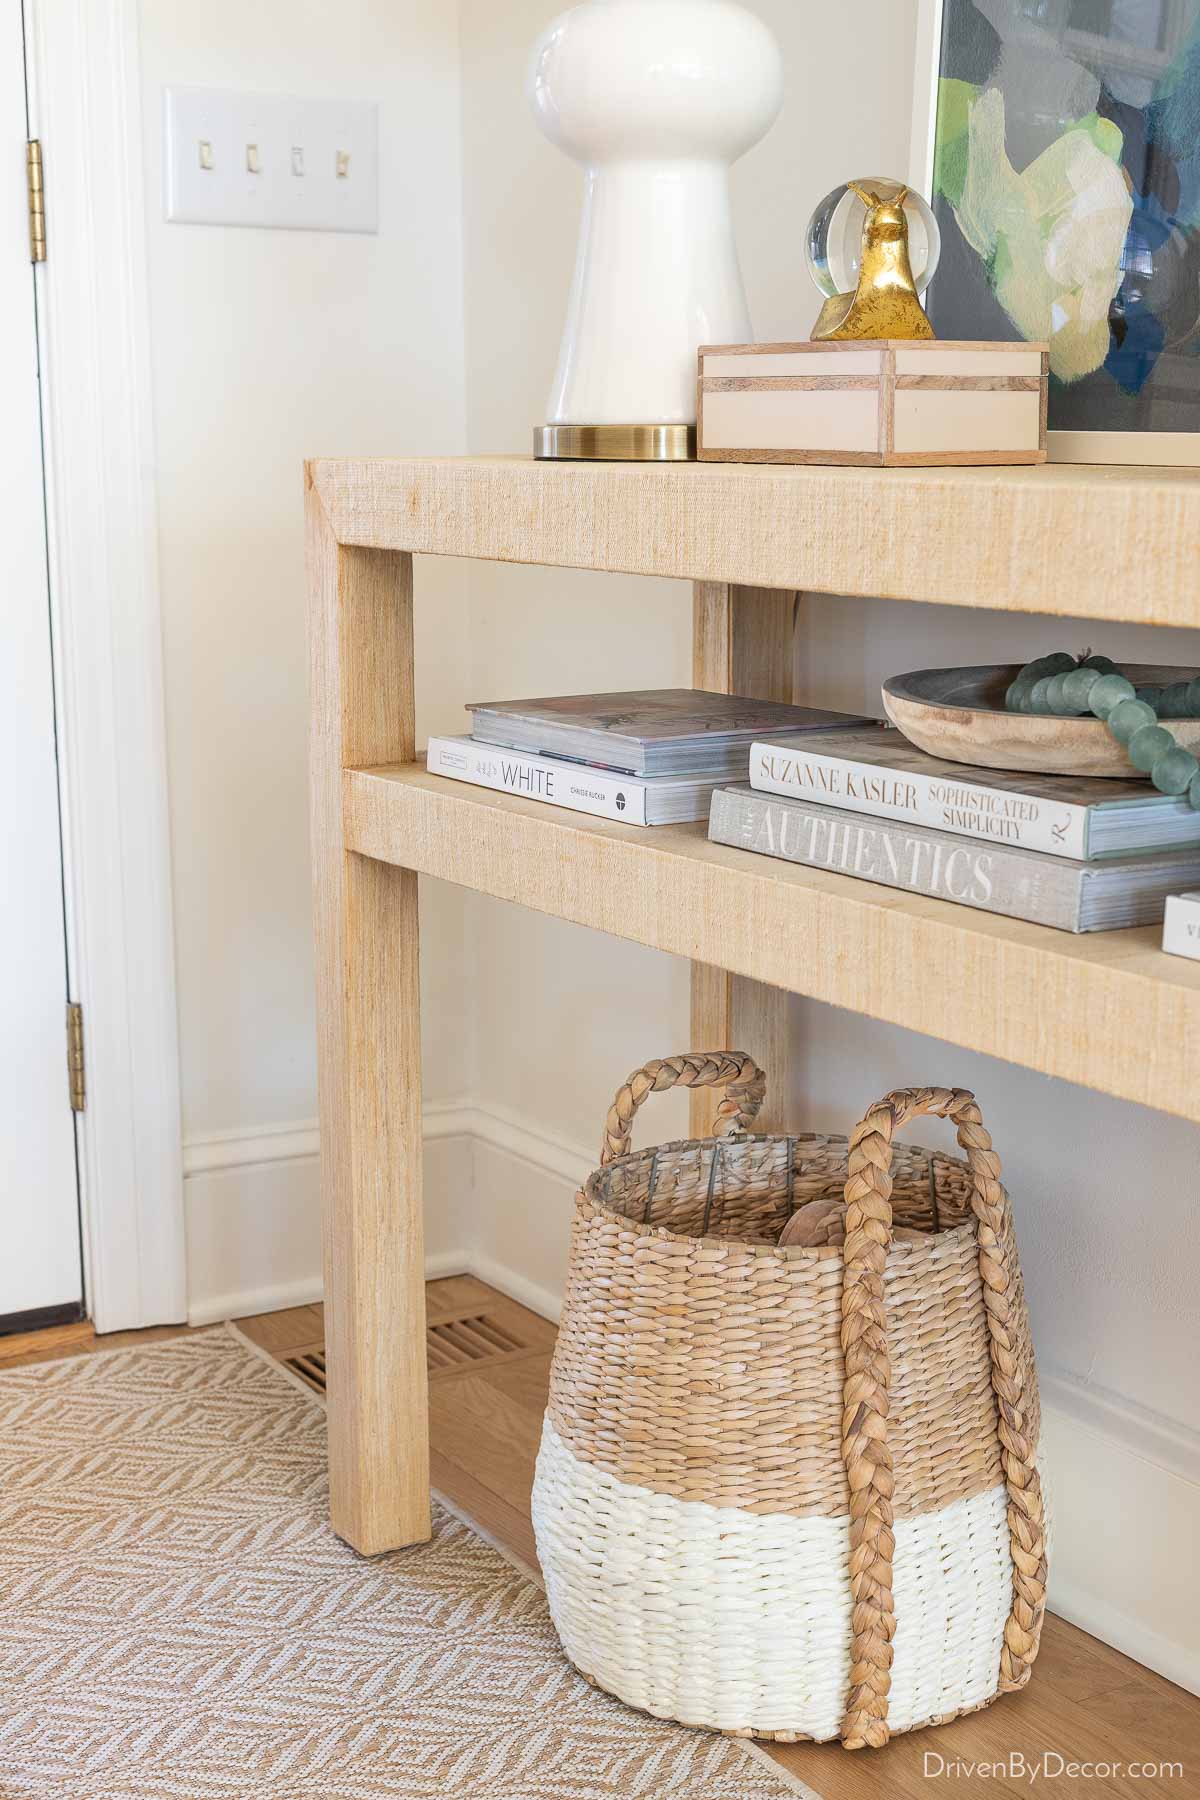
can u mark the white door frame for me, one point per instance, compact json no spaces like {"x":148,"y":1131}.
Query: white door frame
{"x":85,"y":106}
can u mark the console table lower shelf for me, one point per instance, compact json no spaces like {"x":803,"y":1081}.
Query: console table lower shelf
{"x":1105,"y":1009}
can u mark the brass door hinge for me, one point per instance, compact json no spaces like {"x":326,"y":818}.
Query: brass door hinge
{"x":75,"y":1069}
{"x":37,"y":201}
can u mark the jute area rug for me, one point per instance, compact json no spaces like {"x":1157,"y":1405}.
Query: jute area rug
{"x":178,"y":1619}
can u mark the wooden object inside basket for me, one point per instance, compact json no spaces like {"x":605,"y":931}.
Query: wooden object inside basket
{"x":872,"y":402}
{"x":794,"y":1492}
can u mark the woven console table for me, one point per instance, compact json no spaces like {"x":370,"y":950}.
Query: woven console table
{"x":1107,"y":1010}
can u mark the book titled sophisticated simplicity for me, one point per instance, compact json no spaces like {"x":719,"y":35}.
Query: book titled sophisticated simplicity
{"x":878,"y":771}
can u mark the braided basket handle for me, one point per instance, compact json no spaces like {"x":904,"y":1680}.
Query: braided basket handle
{"x":740,"y":1076}
{"x":865,"y":1404}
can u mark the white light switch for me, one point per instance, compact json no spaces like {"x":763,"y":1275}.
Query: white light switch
{"x":258,"y":159}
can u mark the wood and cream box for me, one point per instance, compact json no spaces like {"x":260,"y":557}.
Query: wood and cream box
{"x":872,"y":401}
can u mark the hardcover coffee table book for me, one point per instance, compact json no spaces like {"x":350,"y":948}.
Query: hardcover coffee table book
{"x":872,"y":402}
{"x":878,"y":771}
{"x":605,"y":793}
{"x":649,"y":731}
{"x":994,"y":877}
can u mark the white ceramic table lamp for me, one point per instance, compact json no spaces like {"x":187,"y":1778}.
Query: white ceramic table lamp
{"x":656,"y":98}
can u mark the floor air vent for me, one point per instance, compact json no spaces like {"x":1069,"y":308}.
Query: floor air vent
{"x":309,"y":1365}
{"x":450,"y":1344}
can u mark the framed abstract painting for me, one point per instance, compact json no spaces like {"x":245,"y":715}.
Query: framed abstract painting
{"x":1059,"y":142}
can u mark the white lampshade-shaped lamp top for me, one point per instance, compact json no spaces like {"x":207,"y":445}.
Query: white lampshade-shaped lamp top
{"x":655,"y":98}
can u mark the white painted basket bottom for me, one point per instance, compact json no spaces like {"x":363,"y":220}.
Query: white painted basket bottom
{"x":741,"y":1622}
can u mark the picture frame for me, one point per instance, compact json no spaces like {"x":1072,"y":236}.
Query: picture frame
{"x":1180,"y":449}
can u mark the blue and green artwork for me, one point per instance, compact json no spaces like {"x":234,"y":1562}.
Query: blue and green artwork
{"x":1067,"y":188}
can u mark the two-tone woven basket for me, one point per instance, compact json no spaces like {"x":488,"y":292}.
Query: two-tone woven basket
{"x":794,"y":1492}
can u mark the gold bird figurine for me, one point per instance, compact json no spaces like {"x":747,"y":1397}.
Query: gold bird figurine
{"x":885,"y":302}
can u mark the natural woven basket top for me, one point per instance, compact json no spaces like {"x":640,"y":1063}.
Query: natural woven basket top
{"x":745,"y":1188}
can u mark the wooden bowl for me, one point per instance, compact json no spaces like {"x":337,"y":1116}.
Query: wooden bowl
{"x":959,"y":714}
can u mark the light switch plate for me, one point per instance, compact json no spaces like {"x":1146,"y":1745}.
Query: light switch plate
{"x":270,"y":160}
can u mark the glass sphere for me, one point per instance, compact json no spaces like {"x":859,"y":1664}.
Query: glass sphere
{"x":833,"y":241}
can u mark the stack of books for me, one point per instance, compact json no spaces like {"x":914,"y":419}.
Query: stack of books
{"x":1079,"y":854}
{"x":651,"y":757}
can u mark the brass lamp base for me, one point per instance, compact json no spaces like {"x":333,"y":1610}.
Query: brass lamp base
{"x":616,"y":443}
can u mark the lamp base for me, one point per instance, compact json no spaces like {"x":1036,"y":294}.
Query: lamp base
{"x":616,"y":443}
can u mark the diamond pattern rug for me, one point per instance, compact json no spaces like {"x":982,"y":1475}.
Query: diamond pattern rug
{"x":177,"y":1618}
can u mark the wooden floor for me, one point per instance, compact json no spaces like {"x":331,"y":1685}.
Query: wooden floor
{"x":489,"y":1368}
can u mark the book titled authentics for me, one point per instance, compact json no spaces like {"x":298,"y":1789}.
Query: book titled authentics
{"x":878,"y":771}
{"x":994,"y":877}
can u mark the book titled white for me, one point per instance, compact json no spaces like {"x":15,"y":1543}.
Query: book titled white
{"x":879,"y":772}
{"x":633,"y":799}
{"x":1181,"y":926}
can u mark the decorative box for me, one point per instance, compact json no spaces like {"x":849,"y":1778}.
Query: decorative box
{"x":872,"y":401}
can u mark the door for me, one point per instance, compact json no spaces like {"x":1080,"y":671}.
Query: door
{"x":40,"y":1276}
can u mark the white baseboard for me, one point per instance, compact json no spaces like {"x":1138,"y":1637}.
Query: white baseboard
{"x":244,"y":1303}
{"x":540,"y":1300}
{"x":1125,"y":1527}
{"x":269,"y":1144}
{"x":1093,"y":1613}
{"x":252,"y":1209}
{"x":251,"y":1149}
{"x":499,"y":1203}
{"x":1172,"y":1447}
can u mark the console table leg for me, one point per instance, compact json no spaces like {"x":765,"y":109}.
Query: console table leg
{"x":369,"y":1055}
{"x":742,"y":643}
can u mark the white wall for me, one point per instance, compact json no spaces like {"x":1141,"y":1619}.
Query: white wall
{"x":1107,"y":1193}
{"x":267,"y":347}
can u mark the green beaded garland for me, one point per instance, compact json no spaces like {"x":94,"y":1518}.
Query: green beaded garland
{"x":1055,"y":696}
{"x":1068,"y":686}
{"x":1147,"y":744}
{"x":1129,"y":716}
{"x":1173,"y":772}
{"x":1108,"y":693}
{"x":1076,"y":687}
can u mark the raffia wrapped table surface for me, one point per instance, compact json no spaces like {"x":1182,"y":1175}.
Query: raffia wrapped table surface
{"x":793,"y":1492}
